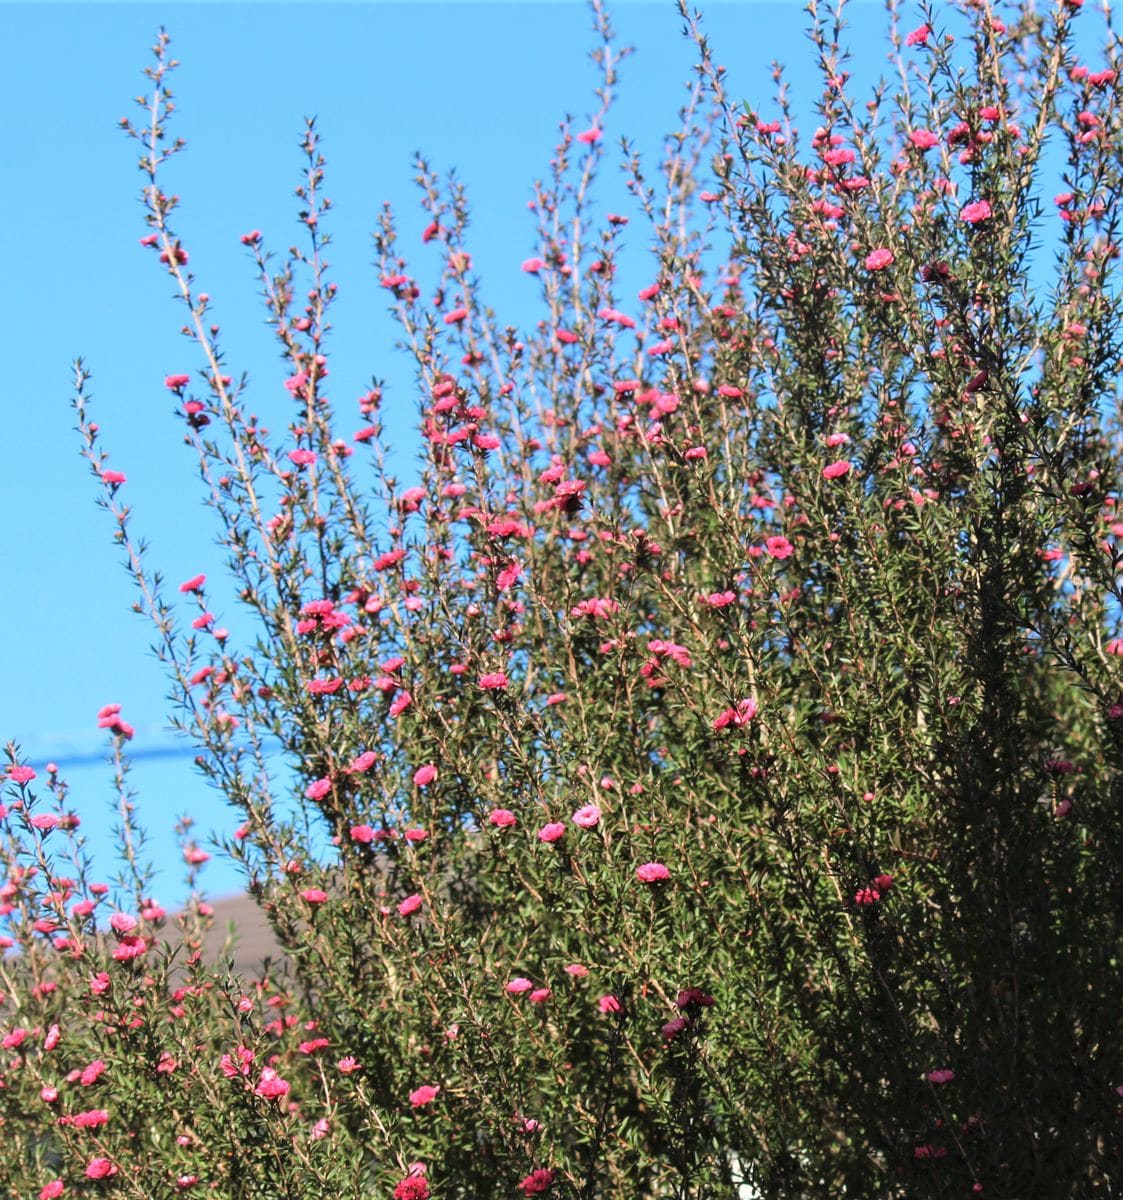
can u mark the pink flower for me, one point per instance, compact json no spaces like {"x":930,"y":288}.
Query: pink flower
{"x":518,"y":985}
{"x":319,"y":789}
{"x":193,"y":584}
{"x":363,"y":833}
{"x":232,"y":1069}
{"x":91,"y":1074}
{"x":976,"y":211}
{"x":20,"y":774}
{"x":540,"y":995}
{"x":100,"y":1168}
{"x":608,"y":1004}
{"x":587,"y":816}
{"x":919,"y":36}
{"x":652,"y":872}
{"x":413,"y":1187}
{"x":674,"y":1027}
{"x":302,"y":458}
{"x":113,"y":478}
{"x":719,"y":599}
{"x":129,"y":947}
{"x":577,"y":970}
{"x":52,"y":1190}
{"x":409,"y":905}
{"x":423,"y":776}
{"x":363,"y":762}
{"x":423,"y":1095}
{"x":551,"y":832}
{"x":533,"y":265}
{"x":779,"y":547}
{"x":122,"y":923}
{"x":494,"y":681}
{"x":878,"y":260}
{"x":589,"y":136}
{"x":538,"y":1181}
{"x":741,"y":714}
{"x":501,"y":818}
{"x":348,"y":1065}
{"x":271,"y":1085}
{"x":90,"y":1119}
{"x":314,"y":895}
{"x":924,"y":139}
{"x":836,"y":470}
{"x":941,"y":1075}
{"x":456,"y":316}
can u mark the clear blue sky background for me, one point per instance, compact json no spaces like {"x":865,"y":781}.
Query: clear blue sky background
{"x":479,"y":86}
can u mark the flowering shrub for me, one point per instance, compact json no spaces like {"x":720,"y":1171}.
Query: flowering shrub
{"x":705,"y":779}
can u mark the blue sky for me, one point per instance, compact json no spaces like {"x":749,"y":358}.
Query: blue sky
{"x":478,"y":86}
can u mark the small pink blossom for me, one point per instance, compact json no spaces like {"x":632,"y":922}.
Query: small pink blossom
{"x":587,"y":817}
{"x":100,"y":1168}
{"x":413,"y":1187}
{"x":976,"y":211}
{"x":551,"y":832}
{"x":518,"y":985}
{"x":878,"y":260}
{"x":52,"y":1190}
{"x":836,"y":470}
{"x":719,"y":599}
{"x":20,"y":774}
{"x":779,"y":547}
{"x":538,"y":1181}
{"x":502,"y":818}
{"x":941,"y":1075}
{"x":410,"y":905}
{"x":740,"y":714}
{"x":425,"y":775}
{"x":652,"y":872}
{"x":314,"y":895}
{"x":271,"y":1085}
{"x":423,"y":1095}
{"x":493,"y":681}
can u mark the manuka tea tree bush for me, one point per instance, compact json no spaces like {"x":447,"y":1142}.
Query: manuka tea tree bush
{"x":703,"y":779}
